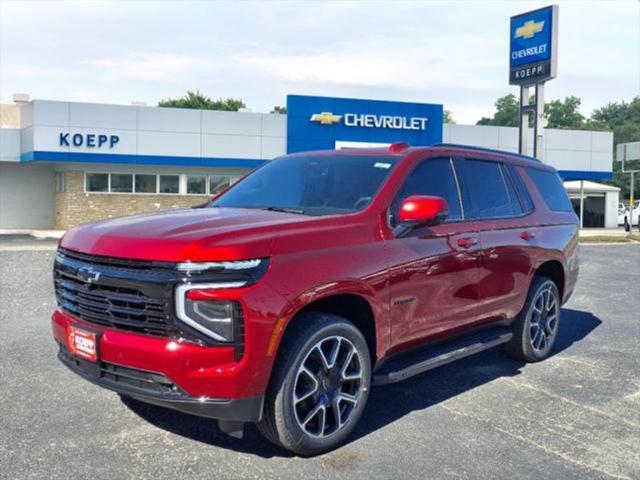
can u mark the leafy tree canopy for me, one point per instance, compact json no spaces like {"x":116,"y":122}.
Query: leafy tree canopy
{"x":507,"y":111}
{"x":447,"y":117}
{"x":622,"y":118}
{"x":197,"y":100}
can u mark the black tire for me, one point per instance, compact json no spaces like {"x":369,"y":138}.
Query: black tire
{"x":281,"y":423}
{"x":526,"y":335}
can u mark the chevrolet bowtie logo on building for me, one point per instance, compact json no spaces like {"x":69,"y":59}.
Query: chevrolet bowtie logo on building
{"x":529,"y":29}
{"x":370,"y":120}
{"x":325,"y":118}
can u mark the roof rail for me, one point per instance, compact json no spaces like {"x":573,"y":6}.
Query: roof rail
{"x":483,"y":149}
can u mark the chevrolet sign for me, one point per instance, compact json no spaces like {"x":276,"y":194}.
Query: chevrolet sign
{"x":368,"y":120}
{"x":533,"y":46}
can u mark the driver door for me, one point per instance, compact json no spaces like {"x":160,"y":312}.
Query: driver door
{"x":434,"y":274}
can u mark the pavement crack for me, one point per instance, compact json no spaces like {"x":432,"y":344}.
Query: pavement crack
{"x":572,"y":402}
{"x":544,"y":448}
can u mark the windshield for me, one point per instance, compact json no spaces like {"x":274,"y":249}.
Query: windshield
{"x":311,"y":185}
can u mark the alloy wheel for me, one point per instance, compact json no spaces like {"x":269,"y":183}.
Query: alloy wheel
{"x":544,"y":319}
{"x":328,"y":386}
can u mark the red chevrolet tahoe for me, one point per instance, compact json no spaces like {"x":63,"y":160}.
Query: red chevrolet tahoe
{"x":320,"y":274}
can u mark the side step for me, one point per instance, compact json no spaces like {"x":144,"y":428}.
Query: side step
{"x":408,"y":365}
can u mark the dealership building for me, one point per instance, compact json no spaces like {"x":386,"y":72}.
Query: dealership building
{"x":66,"y":163}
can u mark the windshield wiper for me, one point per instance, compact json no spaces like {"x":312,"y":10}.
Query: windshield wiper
{"x":284,"y":210}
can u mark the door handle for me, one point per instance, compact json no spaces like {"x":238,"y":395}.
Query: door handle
{"x":467,"y":242}
{"x":527,"y":236}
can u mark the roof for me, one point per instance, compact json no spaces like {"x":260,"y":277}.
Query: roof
{"x":574,"y":185}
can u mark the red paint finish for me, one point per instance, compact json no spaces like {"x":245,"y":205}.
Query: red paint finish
{"x":434,"y":281}
{"x":422,"y":209}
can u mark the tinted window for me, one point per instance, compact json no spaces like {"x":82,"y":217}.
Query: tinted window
{"x":97,"y":182}
{"x":196,"y":184}
{"x":431,"y":177}
{"x":516,"y":207}
{"x":311,"y":184}
{"x":523,"y":193}
{"x":121,"y":182}
{"x":169,"y":184}
{"x":145,"y":183}
{"x":484,"y":192}
{"x":551,"y":189}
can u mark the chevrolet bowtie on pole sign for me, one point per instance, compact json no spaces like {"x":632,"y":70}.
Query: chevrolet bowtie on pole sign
{"x":533,"y":46}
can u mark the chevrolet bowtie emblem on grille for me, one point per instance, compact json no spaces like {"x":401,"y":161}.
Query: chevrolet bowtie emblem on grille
{"x":88,"y":274}
{"x":325,"y":118}
{"x":529,"y":29}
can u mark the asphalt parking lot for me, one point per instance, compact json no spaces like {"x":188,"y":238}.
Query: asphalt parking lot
{"x":576,"y":415}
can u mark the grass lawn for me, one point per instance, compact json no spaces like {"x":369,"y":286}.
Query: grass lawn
{"x":609,"y":239}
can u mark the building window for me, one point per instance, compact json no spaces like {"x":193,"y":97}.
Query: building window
{"x":97,"y":182}
{"x":146,"y":183}
{"x":61,"y":182}
{"x":196,"y":184}
{"x":218,"y":183}
{"x":121,"y":183}
{"x":169,"y":183}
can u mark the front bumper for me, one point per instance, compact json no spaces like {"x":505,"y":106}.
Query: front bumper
{"x":156,"y":389}
{"x":200,"y":380}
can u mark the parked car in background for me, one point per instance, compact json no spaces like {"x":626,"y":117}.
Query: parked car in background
{"x":320,"y":274}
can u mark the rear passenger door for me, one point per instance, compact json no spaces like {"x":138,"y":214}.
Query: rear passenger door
{"x":493,"y":200}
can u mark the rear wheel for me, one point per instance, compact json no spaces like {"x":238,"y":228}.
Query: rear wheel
{"x":320,"y":385}
{"x":536,"y":327}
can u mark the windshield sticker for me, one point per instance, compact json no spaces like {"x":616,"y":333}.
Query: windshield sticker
{"x":382,"y":165}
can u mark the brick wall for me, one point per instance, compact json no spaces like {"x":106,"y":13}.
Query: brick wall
{"x":74,"y":206}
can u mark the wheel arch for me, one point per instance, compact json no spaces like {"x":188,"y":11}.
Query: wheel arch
{"x":554,"y":270}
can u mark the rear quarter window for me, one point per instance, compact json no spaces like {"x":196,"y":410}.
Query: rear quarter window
{"x":523,"y":193}
{"x":550,"y":187}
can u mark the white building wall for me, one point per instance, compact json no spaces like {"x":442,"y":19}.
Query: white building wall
{"x":155,"y":131}
{"x":9,"y":144}
{"x":578,"y":150}
{"x":26,"y":195}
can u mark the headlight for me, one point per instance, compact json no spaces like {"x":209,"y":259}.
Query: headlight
{"x":220,"y":320}
{"x":194,"y":267}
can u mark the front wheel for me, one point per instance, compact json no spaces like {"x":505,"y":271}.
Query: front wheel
{"x":320,"y":385}
{"x":536,"y":327}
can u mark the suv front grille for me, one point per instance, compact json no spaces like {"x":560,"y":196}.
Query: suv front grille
{"x":132,"y":297}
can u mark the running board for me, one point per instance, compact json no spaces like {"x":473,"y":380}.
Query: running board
{"x":411,"y":364}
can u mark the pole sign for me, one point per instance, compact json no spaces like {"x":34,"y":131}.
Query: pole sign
{"x":533,"y":50}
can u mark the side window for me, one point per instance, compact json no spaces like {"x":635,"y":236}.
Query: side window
{"x":431,"y":177}
{"x":516,"y":207}
{"x":551,"y":189}
{"x":523,"y":193}
{"x":484,"y":193}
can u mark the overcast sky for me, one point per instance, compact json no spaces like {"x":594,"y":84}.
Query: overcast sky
{"x":453,"y":53}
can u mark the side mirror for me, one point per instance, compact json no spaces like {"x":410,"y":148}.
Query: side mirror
{"x":420,"y":210}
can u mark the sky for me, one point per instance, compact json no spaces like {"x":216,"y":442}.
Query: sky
{"x":454,"y":53}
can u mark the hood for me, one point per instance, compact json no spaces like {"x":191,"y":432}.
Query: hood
{"x":200,"y":234}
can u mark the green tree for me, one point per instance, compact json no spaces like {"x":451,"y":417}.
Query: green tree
{"x":623,"y":119}
{"x":281,"y":110}
{"x":197,"y":100}
{"x":447,"y":117}
{"x":564,"y":113}
{"x":507,"y":112}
